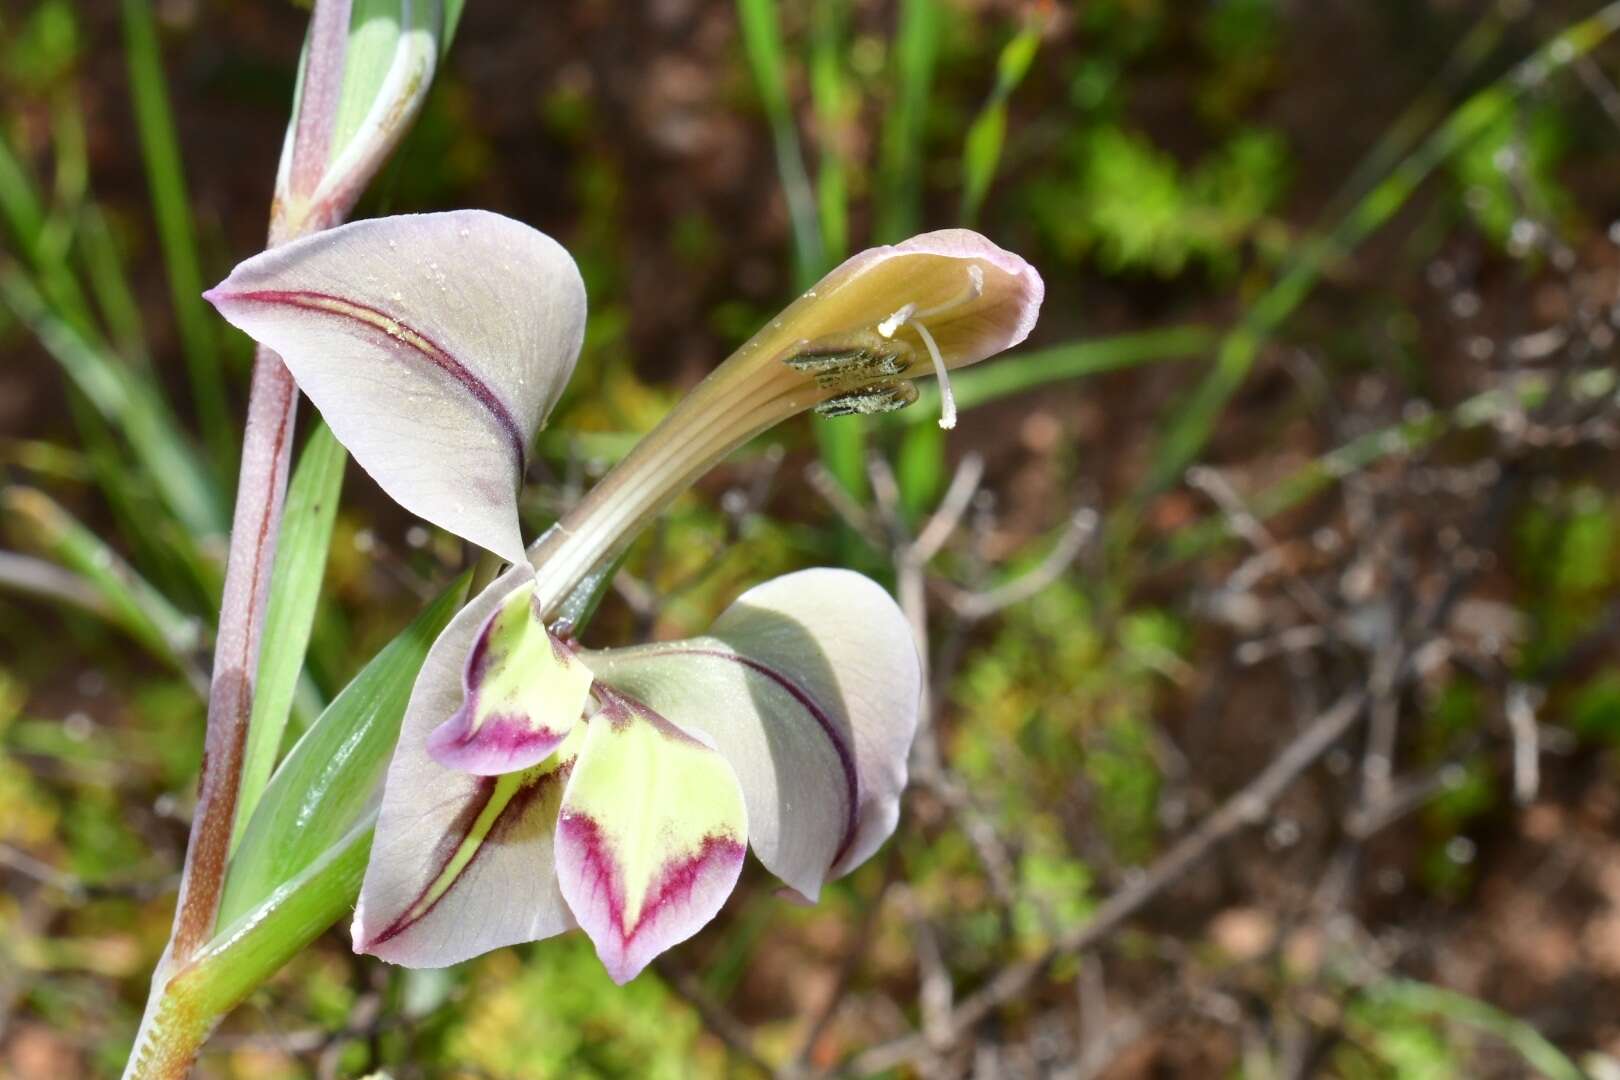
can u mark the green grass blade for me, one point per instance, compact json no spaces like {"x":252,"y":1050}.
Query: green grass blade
{"x":452,"y":20}
{"x":834,"y":102}
{"x":295,"y":589}
{"x":109,"y":284}
{"x":762,"y":41}
{"x":246,"y":952}
{"x":981,"y":150}
{"x":38,"y":240}
{"x":1539,"y":1053}
{"x":899,"y":182}
{"x":171,"y":208}
{"x":19,"y":203}
{"x":1194,"y":421}
{"x":1363,"y":451}
{"x":130,"y":405}
{"x":841,"y":445}
{"x":129,"y":600}
{"x":167,"y":553}
{"x":1026,"y":371}
{"x":330,"y":777}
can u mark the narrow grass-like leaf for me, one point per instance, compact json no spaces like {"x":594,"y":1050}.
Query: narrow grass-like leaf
{"x":177,"y":234}
{"x":452,"y":20}
{"x":841,"y":440}
{"x":920,"y":469}
{"x":833,"y":100}
{"x":1026,"y":371}
{"x":1363,"y":451}
{"x":109,"y":284}
{"x":165,"y":550}
{"x":248,"y":951}
{"x":1541,"y":1055}
{"x":981,"y":151}
{"x":899,"y":182}
{"x":762,"y":41}
{"x":130,"y":405}
{"x":1189,"y":429}
{"x":295,"y":589}
{"x":25,"y":217}
{"x":19,"y":203}
{"x":331,"y":777}
{"x":130,"y":601}
{"x":56,"y":584}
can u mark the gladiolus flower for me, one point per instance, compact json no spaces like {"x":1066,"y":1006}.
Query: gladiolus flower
{"x":538,"y":785}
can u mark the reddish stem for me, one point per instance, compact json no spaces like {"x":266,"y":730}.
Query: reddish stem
{"x":260,"y":495}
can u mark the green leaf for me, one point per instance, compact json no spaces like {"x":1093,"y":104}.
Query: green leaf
{"x":981,"y":151}
{"x":246,"y":952}
{"x":762,"y":40}
{"x":899,"y":181}
{"x":330,"y":779}
{"x":177,"y":233}
{"x":1030,"y":370}
{"x":1190,"y":427}
{"x":835,"y":102}
{"x":1540,"y":1054}
{"x":295,"y":589}
{"x":125,"y":597}
{"x":129,"y":404}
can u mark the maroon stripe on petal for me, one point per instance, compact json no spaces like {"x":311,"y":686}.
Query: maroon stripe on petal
{"x":457,"y":834}
{"x":409,"y":336}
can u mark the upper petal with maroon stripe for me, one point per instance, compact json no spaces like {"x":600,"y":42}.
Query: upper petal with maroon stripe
{"x":433,"y":344}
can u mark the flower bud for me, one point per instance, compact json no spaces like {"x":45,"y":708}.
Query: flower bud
{"x":357,"y":94}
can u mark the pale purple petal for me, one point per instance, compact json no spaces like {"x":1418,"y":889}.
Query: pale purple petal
{"x":433,"y":344}
{"x":809,"y":685}
{"x":507,"y":892}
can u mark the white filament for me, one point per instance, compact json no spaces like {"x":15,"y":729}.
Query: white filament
{"x":910,"y":316}
{"x":947,"y":403}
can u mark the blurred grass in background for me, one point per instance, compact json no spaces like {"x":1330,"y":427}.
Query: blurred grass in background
{"x":1287,"y":239}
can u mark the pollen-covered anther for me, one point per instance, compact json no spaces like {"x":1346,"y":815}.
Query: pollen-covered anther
{"x":870,"y":400}
{"x":852,"y":362}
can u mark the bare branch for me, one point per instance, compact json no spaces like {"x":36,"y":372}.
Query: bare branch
{"x":948,"y":516}
{"x":974,"y":606}
{"x":1247,"y":807}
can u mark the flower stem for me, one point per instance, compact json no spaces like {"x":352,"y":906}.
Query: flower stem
{"x":171,"y":1032}
{"x":255,"y":526}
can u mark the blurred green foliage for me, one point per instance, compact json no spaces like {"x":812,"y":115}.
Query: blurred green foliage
{"x":1130,"y":207}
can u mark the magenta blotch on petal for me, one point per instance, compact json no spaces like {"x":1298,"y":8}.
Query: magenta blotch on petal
{"x":651,"y":834}
{"x":524,"y":692}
